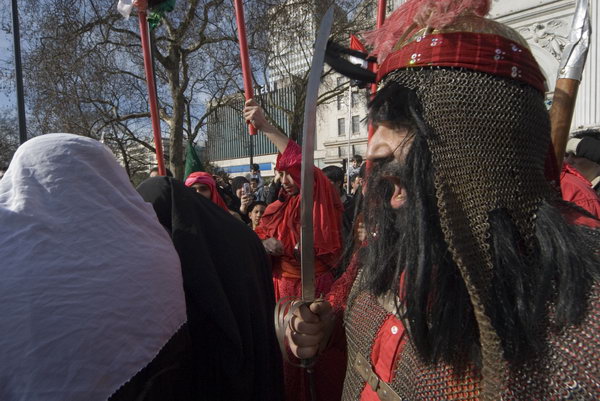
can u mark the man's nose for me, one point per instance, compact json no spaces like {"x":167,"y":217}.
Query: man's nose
{"x":378,"y":148}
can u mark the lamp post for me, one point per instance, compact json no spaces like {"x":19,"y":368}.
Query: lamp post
{"x":18,"y":72}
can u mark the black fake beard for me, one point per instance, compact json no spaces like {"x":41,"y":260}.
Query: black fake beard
{"x":408,"y":242}
{"x":385,"y":226}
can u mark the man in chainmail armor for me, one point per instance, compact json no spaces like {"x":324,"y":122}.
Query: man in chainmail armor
{"x":477,"y":282}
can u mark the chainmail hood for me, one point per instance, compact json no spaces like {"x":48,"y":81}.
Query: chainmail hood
{"x":482,"y":98}
{"x":490,"y":138}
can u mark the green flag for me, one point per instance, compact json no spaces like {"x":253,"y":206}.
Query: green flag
{"x":158,"y":8}
{"x":192,"y":161}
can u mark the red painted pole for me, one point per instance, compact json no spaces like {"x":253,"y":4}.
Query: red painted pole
{"x":151,"y":88}
{"x":246,"y":73}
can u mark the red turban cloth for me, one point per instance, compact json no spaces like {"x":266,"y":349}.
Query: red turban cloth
{"x":200,"y":177}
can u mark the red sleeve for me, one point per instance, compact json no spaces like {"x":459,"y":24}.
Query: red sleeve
{"x":576,"y":189}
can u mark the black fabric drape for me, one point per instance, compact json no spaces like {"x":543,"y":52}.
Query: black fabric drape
{"x":229,"y":295}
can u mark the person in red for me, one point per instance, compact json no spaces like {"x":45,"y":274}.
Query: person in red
{"x":279,"y":229}
{"x":477,"y":281}
{"x":577,"y":189}
{"x":204,"y":184}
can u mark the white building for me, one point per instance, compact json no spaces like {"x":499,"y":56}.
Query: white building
{"x":546,"y":25}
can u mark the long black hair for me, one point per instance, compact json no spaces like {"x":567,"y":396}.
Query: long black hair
{"x":435,"y":304}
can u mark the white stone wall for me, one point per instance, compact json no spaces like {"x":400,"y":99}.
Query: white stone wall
{"x":332,"y":148}
{"x":545,"y":24}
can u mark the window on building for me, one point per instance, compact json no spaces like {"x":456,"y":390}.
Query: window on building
{"x":360,"y":149}
{"x":341,"y":127}
{"x":355,"y":124}
{"x":340,"y":101}
{"x":354,"y":99}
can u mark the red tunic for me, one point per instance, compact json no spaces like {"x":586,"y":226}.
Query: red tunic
{"x":577,"y":189}
{"x":281,"y":220}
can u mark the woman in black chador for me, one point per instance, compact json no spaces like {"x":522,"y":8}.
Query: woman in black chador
{"x":231,"y":352}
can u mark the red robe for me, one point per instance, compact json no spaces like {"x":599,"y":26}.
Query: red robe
{"x":281,"y":220}
{"x":577,"y":189}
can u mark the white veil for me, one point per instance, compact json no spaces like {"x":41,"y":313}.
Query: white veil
{"x":90,"y":283}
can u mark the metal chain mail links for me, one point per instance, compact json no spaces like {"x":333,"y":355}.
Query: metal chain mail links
{"x":560,"y":374}
{"x":491,"y":137}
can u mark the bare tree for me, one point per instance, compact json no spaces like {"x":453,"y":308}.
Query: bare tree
{"x":281,"y":37}
{"x":9,"y":138}
{"x":84,"y":69}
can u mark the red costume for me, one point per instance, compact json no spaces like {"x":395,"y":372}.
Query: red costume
{"x":577,"y":189}
{"x":281,"y":220}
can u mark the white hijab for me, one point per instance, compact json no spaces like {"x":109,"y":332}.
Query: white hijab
{"x":90,"y":283}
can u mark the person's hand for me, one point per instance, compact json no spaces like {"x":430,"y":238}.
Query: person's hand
{"x":277,"y":177}
{"x":310,"y":328}
{"x":273,"y":246}
{"x":245,"y":200}
{"x":254,"y":114}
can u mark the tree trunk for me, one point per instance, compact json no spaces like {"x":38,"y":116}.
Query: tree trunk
{"x":297,"y":117}
{"x":177,"y":118}
{"x":176,"y":139}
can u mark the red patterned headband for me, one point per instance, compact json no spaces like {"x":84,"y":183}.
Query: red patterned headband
{"x":489,"y":53}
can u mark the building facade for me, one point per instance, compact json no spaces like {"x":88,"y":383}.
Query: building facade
{"x":229,"y":144}
{"x":545,"y":24}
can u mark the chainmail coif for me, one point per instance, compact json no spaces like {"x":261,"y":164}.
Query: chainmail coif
{"x":490,"y":138}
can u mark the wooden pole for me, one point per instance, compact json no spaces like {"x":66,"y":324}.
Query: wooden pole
{"x":561,"y":115}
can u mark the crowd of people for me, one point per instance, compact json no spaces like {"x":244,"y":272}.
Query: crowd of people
{"x":450,"y":265}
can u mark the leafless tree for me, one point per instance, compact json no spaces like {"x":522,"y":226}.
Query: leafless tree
{"x":281,"y":37}
{"x":9,"y":138}
{"x":84,"y":69}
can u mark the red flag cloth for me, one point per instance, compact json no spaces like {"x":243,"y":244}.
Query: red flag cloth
{"x":488,"y":53}
{"x":356,"y":44}
{"x":200,"y":177}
